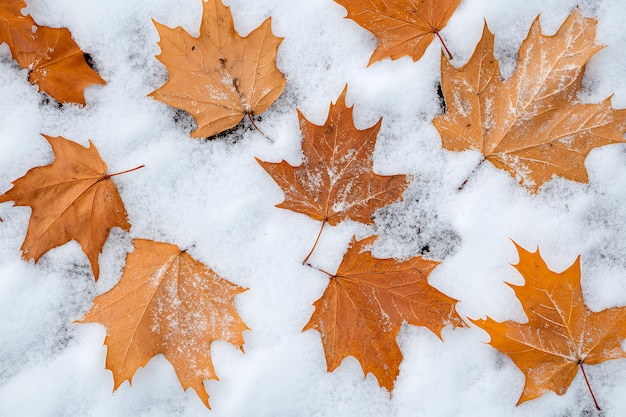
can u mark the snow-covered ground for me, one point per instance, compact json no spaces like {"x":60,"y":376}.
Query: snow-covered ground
{"x":214,"y":199}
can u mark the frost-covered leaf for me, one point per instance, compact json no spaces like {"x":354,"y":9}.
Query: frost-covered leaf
{"x":167,"y":302}
{"x":336,"y":181}
{"x":532,"y":124}
{"x":561,"y":334}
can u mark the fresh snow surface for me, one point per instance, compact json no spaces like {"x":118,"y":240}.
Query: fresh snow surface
{"x":212,"y":198}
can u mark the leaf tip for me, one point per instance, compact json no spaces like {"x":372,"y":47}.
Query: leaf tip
{"x":341,"y":100}
{"x":521,"y":251}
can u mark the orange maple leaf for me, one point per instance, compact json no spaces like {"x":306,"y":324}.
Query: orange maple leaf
{"x":16,"y":30}
{"x":403,"y":27}
{"x":72,"y":198}
{"x":336,"y":181}
{"x":63,"y":73}
{"x":56,"y":63}
{"x":530,"y":125}
{"x":561,"y":334}
{"x":167,"y":302}
{"x":365,"y":304}
{"x":219,"y":77}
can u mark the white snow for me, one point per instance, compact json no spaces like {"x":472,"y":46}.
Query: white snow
{"x":213,"y":199}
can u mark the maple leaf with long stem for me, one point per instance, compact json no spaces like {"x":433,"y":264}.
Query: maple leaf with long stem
{"x":402,"y":27}
{"x":530,"y":125}
{"x":336,"y":181}
{"x":219,"y":77}
{"x":55,"y":63}
{"x":167,"y":302}
{"x":365,"y":304}
{"x":561,"y":335}
{"x":71,"y":199}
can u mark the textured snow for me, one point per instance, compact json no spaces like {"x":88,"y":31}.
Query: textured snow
{"x":213,"y":199}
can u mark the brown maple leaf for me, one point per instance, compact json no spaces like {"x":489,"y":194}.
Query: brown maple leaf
{"x":365,"y":304}
{"x":561,"y":334}
{"x":72,"y":198}
{"x":402,"y":27}
{"x":56,"y":63}
{"x":336,"y":181}
{"x":167,"y":302}
{"x":219,"y":77}
{"x":530,"y":125}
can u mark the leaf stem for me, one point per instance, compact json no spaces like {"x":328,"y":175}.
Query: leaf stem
{"x":257,"y":128}
{"x":582,"y":368}
{"x":483,"y":159}
{"x":321,"y":270}
{"x":124,"y":172}
{"x":315,"y":244}
{"x":444,"y":45}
